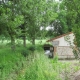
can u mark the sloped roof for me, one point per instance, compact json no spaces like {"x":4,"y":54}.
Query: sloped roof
{"x":59,"y":36}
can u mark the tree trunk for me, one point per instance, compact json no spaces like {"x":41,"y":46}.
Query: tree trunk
{"x":12,"y":43}
{"x":12,"y":36}
{"x":24,"y":41}
{"x":33,"y":41}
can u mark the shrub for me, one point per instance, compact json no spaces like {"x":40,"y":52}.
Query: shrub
{"x":25,"y":52}
{"x":32,"y":48}
{"x":39,"y":47}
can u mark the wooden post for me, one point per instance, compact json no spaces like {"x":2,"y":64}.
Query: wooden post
{"x":55,"y":50}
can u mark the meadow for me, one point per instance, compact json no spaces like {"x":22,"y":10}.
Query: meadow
{"x":24,"y":64}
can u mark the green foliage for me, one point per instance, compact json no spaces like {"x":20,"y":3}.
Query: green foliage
{"x":39,"y":13}
{"x":25,"y":52}
{"x":73,"y":13}
{"x":40,"y":68}
{"x":10,"y":20}
{"x":32,"y":48}
{"x":39,"y":47}
{"x":25,"y":17}
{"x":75,"y":54}
{"x":76,"y":68}
{"x":62,"y":23}
{"x":55,"y":60}
{"x":10,"y":63}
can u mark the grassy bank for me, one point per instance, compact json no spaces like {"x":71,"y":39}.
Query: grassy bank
{"x":42,"y":68}
{"x":39,"y":68}
{"x":10,"y":63}
{"x":23,"y":64}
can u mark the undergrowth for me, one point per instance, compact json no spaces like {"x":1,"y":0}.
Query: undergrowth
{"x":40,"y":68}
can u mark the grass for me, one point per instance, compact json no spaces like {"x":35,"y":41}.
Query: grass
{"x":10,"y":62}
{"x":36,"y":66}
{"x":39,"y":68}
{"x":18,"y":41}
{"x":42,"y":68}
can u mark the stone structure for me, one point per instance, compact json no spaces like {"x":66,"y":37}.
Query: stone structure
{"x":63,"y":45}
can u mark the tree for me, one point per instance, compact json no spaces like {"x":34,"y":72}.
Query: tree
{"x":73,"y":11}
{"x":36,"y":14}
{"x":62,"y":24}
{"x":10,"y":20}
{"x":29,"y":15}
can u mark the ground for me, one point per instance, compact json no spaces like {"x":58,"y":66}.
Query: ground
{"x":72,"y":72}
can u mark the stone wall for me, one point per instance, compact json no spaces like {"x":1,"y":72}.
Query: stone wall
{"x":65,"y":52}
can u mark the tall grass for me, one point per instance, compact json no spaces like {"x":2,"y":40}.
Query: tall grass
{"x":10,"y":63}
{"x":40,"y":68}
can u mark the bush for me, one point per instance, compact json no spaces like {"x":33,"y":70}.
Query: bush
{"x":32,"y":48}
{"x":25,"y":52}
{"x":39,"y":47}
